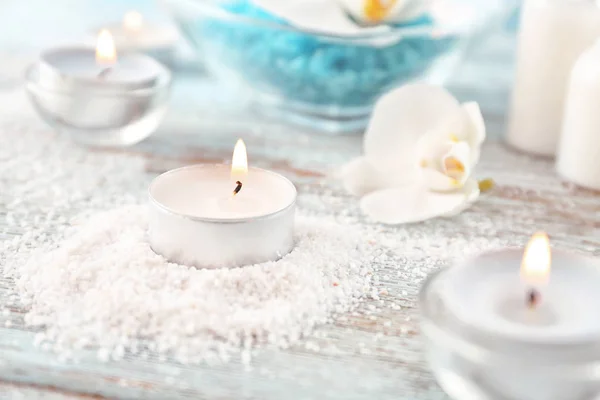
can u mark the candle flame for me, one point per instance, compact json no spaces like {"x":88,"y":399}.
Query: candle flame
{"x":535,"y":267}
{"x":239,"y":161}
{"x":377,"y":10}
{"x":132,"y":21}
{"x":106,"y":53}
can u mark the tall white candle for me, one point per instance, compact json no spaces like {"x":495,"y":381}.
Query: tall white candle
{"x":578,"y":157}
{"x":553,"y":34}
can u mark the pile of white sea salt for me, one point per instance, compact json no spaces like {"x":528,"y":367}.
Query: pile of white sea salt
{"x":103,"y":290}
{"x":104,"y":287}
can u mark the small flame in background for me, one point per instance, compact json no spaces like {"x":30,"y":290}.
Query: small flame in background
{"x":106,"y":53}
{"x":535,"y":267}
{"x":239,"y":161}
{"x":132,"y":21}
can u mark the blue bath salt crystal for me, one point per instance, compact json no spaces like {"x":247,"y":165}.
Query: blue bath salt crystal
{"x":308,"y":69}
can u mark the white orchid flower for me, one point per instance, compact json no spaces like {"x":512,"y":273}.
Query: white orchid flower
{"x":449,"y":153}
{"x":325,"y":16}
{"x":421,"y":147}
{"x":381,"y":11}
{"x":331,"y":18}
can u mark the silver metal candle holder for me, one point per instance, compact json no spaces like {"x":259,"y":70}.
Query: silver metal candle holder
{"x":216,"y":242}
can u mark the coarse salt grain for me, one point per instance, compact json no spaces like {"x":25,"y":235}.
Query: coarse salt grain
{"x":104,"y":286}
{"x":48,"y":182}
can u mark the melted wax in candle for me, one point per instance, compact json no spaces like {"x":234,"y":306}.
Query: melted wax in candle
{"x":243,"y":203}
{"x":516,"y":311}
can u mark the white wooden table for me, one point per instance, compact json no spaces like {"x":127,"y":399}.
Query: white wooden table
{"x":358,"y":358}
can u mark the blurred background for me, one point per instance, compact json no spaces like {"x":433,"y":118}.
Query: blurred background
{"x":482,"y":71}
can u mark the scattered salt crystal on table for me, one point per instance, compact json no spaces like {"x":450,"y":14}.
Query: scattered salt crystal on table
{"x":104,"y":286}
{"x":46,"y":176}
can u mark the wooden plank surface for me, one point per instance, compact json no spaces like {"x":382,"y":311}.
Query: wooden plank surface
{"x":363,"y":355}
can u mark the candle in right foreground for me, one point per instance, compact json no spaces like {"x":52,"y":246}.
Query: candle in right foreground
{"x":552,"y":35}
{"x":513,"y":325}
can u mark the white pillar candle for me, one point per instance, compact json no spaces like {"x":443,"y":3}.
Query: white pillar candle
{"x":502,"y":325}
{"x":201,"y":216}
{"x":578,"y":157}
{"x":553,"y":34}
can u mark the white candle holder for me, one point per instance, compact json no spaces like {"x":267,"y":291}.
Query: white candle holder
{"x":98,"y":113}
{"x":474,"y":363}
{"x":182,"y":229}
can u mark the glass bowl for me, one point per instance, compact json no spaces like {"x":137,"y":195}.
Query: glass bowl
{"x":96,"y":116}
{"x":325,"y":81}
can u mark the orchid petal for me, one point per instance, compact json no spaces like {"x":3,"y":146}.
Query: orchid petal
{"x":360,"y":177}
{"x":315,"y":15}
{"x":471,"y":192}
{"x":399,"y":10}
{"x":353,"y":7}
{"x":475,"y":126}
{"x":433,"y":179}
{"x":390,"y":9}
{"x":466,"y":125}
{"x":433,"y":146}
{"x":455,"y":163}
{"x":428,"y":145}
{"x":401,"y":118}
{"x":415,"y":203}
{"x":446,"y":167}
{"x":475,"y":122}
{"x":412,"y":10}
{"x":455,"y":129}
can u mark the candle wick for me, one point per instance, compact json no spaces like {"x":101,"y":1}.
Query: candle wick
{"x":533,"y":298}
{"x":104,"y":72}
{"x":237,"y":188}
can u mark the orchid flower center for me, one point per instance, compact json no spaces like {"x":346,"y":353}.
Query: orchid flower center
{"x":453,"y":168}
{"x":377,"y":10}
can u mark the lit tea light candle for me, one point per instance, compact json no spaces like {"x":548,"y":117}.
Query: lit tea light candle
{"x":215,"y":216}
{"x":134,"y":34}
{"x":535,"y":267}
{"x":511,"y":298}
{"x":97,"y":96}
{"x":73,"y":67}
{"x":504,"y":325}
